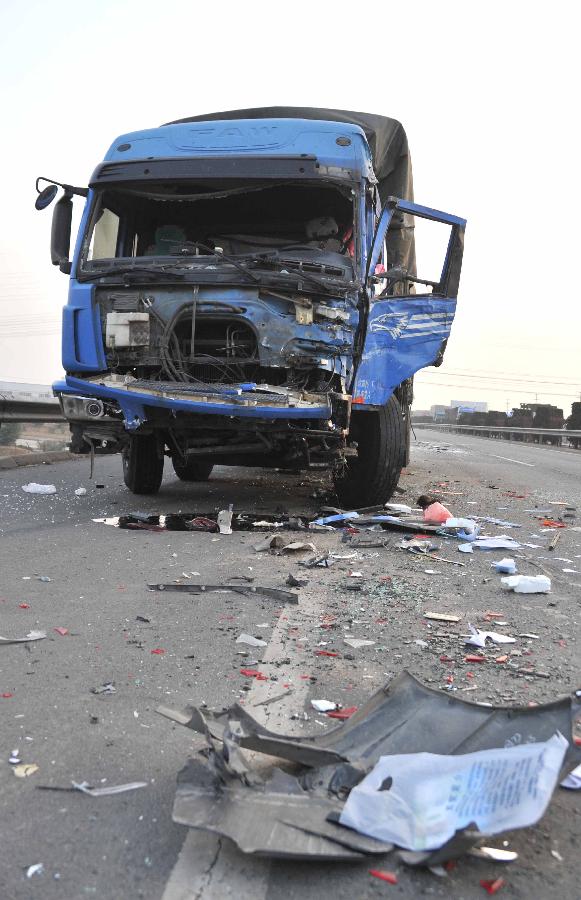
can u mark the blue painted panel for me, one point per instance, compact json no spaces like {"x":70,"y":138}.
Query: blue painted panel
{"x":82,"y":347}
{"x":403,"y":335}
{"x":251,"y":136}
{"x":132,"y":403}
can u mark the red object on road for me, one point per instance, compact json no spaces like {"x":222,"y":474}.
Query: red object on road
{"x":474,"y":659}
{"x":390,"y":877}
{"x":159,"y":651}
{"x":550,"y":523}
{"x":254,"y":673}
{"x":325,"y":653}
{"x":7,"y":695}
{"x":492,"y":887}
{"x":24,"y":606}
{"x":62,"y":631}
{"x":342,"y":713}
{"x":501,"y":659}
{"x":445,"y":658}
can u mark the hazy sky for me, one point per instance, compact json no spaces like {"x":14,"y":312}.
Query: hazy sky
{"x":488,"y":94}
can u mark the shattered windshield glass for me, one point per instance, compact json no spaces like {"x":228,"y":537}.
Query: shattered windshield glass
{"x":273,"y":227}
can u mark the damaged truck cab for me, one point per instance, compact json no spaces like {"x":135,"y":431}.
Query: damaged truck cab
{"x":243,"y":292}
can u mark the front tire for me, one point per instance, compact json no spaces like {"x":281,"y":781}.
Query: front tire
{"x":192,"y":470}
{"x":370,"y":478}
{"x":142,"y":464}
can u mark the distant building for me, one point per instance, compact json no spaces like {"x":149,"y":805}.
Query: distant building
{"x":16,"y":390}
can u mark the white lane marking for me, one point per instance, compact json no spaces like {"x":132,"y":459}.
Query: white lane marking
{"x":519,"y":462}
{"x":211,"y":868}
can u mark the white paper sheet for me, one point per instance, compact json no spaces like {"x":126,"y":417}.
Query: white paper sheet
{"x":431,"y":796}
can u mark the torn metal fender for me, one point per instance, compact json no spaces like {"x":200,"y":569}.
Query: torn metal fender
{"x":277,"y":818}
{"x":403,"y":336}
{"x":402,"y":717}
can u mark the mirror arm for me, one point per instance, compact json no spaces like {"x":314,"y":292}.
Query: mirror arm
{"x":69,"y":189}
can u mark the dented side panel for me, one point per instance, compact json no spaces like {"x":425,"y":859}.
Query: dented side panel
{"x":403,"y":335}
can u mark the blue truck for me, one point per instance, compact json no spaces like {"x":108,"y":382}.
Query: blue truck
{"x":243,"y":291}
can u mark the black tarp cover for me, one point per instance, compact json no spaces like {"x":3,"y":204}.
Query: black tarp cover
{"x":389,"y":151}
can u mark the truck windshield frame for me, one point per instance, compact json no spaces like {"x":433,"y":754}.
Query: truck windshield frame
{"x":169,"y":222}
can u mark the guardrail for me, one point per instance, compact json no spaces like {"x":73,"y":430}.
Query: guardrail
{"x":30,"y":411}
{"x":501,"y":430}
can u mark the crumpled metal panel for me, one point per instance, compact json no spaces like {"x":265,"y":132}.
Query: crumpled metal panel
{"x":402,"y":717}
{"x":296,"y":815}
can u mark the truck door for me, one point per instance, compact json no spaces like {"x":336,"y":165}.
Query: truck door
{"x":408,"y":318}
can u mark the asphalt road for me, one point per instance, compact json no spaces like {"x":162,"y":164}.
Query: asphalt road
{"x":127,"y":846}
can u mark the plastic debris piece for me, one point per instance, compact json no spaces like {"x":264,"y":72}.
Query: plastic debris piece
{"x":253,"y":673}
{"x":501,"y":659}
{"x":557,"y":856}
{"x":326,"y":653}
{"x":110,"y":791}
{"x":251,"y":641}
{"x":342,"y":713}
{"x":573,"y":780}
{"x":551,"y":523}
{"x":432,"y":796}
{"x":31,"y":636}
{"x":505,"y":566}
{"x":436,"y":514}
{"x":441,"y":617}
{"x":492,"y":887}
{"x":495,"y":853}
{"x":298,"y":547}
{"x":62,"y":631}
{"x":474,"y":658}
{"x":36,"y":869}
{"x":81,"y":491}
{"x":478,"y":638}
{"x":323,"y":705}
{"x":23,"y":770}
{"x":527,"y":584}
{"x":34,"y":488}
{"x":465,"y":548}
{"x":225,"y":521}
{"x":356,"y":643}
{"x":501,"y":542}
{"x":390,"y":877}
{"x":339,"y":517}
{"x":159,"y":651}
{"x":107,"y":688}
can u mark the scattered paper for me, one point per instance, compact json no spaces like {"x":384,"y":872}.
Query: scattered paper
{"x":25,"y":769}
{"x":478,"y":638}
{"x":36,"y":869}
{"x":323,"y":705}
{"x":419,"y":800}
{"x":356,"y":643}
{"x":252,"y":641}
{"x":34,"y":488}
{"x":527,"y":584}
{"x":80,"y":491}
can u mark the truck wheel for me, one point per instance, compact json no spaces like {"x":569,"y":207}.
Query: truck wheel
{"x":370,"y":478}
{"x":142,"y":464}
{"x":192,"y":470}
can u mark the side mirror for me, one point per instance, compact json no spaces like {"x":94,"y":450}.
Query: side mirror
{"x":46,"y":196}
{"x":60,"y":236}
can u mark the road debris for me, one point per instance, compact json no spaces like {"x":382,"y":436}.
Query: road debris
{"x":323,"y":705}
{"x":527,"y":584}
{"x":24,"y":770}
{"x":251,"y":641}
{"x":434,"y":513}
{"x":573,"y":780}
{"x":31,"y":636}
{"x":432,"y":796}
{"x":356,"y":643}
{"x":478,"y":638}
{"x":245,"y":589}
{"x":34,"y":488}
{"x":505,"y":567}
{"x":61,"y":630}
{"x":297,"y":815}
{"x":224,"y":521}
{"x":85,"y":788}
{"x":492,"y":887}
{"x":441,"y":617}
{"x":390,"y":877}
{"x":80,"y":492}
{"x":107,"y":688}
{"x":36,"y":869}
